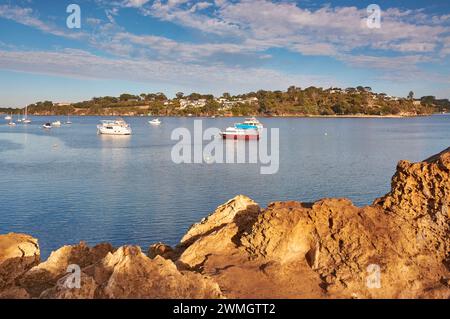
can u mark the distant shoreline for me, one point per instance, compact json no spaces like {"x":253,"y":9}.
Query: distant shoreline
{"x":243,"y":116}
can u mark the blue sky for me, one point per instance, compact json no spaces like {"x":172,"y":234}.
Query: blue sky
{"x":216,"y":46}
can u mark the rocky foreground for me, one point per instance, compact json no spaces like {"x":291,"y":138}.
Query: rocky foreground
{"x":398,"y":247}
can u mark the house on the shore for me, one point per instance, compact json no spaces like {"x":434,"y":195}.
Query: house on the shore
{"x":184,"y":103}
{"x":62,"y":104}
{"x":228,"y":104}
{"x":333,"y":90}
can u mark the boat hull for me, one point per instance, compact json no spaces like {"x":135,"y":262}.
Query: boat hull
{"x":233,"y":136}
{"x":103,"y":131}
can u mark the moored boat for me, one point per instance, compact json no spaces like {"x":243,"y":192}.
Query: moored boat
{"x":247,"y":130}
{"x":114,"y":127}
{"x":155,"y":122}
{"x":240,"y":134}
{"x":68,"y":122}
{"x":47,"y":126}
{"x":56,"y":123}
{"x":26,"y":120}
{"x":250,"y":123}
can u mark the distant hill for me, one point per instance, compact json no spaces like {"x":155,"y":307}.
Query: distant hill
{"x":295,"y":101}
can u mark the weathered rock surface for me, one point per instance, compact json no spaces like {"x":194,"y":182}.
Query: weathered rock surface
{"x":46,"y":274}
{"x":18,"y":253}
{"x":218,"y":233}
{"x":128,"y":273}
{"x":398,"y":247}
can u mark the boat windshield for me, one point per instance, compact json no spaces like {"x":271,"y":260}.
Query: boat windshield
{"x":113,"y":122}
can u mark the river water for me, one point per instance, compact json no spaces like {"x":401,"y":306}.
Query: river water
{"x":68,"y":184}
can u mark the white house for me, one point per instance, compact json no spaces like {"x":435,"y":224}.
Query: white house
{"x":184,"y":103}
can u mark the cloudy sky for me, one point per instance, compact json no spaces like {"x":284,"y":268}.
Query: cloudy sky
{"x":216,"y":46}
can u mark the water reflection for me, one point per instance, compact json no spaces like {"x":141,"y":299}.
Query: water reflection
{"x":115,"y":141}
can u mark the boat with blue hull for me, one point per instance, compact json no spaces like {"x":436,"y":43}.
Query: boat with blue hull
{"x":248,"y":130}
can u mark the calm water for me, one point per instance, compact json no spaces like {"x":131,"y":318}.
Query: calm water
{"x":68,"y":184}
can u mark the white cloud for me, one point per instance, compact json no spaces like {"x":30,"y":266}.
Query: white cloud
{"x":247,"y":28}
{"x":135,"y":3}
{"x":172,"y":11}
{"x":82,"y":64}
{"x":27,"y":16}
{"x":200,"y":6}
{"x":325,"y":31}
{"x":399,"y":63}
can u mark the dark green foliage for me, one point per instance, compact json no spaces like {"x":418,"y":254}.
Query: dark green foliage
{"x":294,"y":101}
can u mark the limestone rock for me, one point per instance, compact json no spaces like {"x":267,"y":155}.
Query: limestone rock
{"x":18,"y":253}
{"x":218,"y":233}
{"x":128,"y":273}
{"x":65,"y":288}
{"x":420,"y":198}
{"x":163,"y":250}
{"x":46,"y":274}
{"x":14,"y":293}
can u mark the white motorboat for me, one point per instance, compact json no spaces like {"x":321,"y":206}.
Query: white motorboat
{"x":11,"y":123}
{"x":8,"y":117}
{"x":248,"y":130}
{"x":250,"y":123}
{"x":235,"y":133}
{"x":56,"y":123}
{"x":155,"y":122}
{"x":47,"y":126}
{"x":114,"y":127}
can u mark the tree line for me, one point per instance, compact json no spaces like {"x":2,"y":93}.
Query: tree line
{"x":293,"y":101}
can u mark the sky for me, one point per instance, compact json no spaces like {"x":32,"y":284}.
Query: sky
{"x":217,"y":46}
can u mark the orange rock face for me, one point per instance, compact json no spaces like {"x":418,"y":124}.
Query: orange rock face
{"x":18,"y":253}
{"x":398,"y":247}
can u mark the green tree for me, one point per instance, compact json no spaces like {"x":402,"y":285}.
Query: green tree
{"x":127,"y":97}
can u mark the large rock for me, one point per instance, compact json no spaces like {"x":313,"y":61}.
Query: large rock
{"x":342,"y":244}
{"x":46,"y":274}
{"x":62,"y":290}
{"x":218,"y":233}
{"x":420,"y":199}
{"x":18,"y":253}
{"x":128,"y":273}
